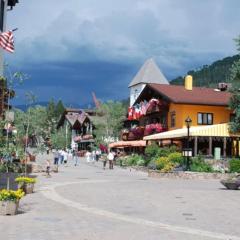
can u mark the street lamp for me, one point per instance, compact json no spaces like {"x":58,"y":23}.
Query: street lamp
{"x":188,"y":122}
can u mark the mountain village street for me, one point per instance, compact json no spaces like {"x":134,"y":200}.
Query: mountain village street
{"x":89,"y":203}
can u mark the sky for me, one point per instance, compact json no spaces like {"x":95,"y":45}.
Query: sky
{"x":70,"y":48}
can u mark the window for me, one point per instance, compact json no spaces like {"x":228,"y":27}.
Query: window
{"x":173,"y":119}
{"x":205,"y":118}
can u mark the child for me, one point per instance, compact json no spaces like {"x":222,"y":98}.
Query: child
{"x":48,"y":168}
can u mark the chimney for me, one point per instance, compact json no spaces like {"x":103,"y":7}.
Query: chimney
{"x":188,"y":82}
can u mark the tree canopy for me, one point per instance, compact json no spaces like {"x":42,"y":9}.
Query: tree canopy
{"x":108,"y":122}
{"x":235,"y":99}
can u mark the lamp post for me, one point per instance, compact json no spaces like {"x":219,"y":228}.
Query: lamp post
{"x":188,"y":122}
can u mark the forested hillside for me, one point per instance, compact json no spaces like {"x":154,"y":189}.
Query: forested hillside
{"x":210,"y":75}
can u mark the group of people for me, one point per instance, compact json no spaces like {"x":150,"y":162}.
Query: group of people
{"x":62,"y":156}
{"x":93,"y":156}
{"x":97,"y":155}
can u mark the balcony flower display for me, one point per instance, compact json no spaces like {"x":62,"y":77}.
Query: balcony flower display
{"x":154,"y":128}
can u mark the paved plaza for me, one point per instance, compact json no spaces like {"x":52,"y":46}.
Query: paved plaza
{"x":89,"y":203}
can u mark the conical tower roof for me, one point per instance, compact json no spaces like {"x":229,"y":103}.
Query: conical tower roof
{"x":149,"y":73}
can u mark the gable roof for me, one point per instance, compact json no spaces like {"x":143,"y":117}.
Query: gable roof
{"x":149,"y":73}
{"x":198,"y":95}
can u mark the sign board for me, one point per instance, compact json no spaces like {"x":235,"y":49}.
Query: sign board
{"x":9,"y":116}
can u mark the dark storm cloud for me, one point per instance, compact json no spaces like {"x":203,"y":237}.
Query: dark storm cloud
{"x":83,"y":46}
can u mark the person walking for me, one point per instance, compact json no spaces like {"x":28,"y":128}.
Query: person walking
{"x":93,"y":156}
{"x":88,"y":156}
{"x":110,"y":159}
{"x":65,"y":157}
{"x":48,"y":168}
{"x":98,"y":154}
{"x":75,"y":157}
{"x":56,"y":156}
{"x":103,"y":158}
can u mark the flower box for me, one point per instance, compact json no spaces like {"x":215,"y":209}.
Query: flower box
{"x":9,"y":201}
{"x":8,"y":207}
{"x":26,"y":184}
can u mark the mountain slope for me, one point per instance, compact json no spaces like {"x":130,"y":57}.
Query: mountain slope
{"x":210,"y":75}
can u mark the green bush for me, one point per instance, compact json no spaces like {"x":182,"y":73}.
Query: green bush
{"x":141,"y":162}
{"x":234,"y":165}
{"x":199,"y":165}
{"x":164,"y":164}
{"x":134,"y":160}
{"x":176,"y":158}
{"x":152,"y":150}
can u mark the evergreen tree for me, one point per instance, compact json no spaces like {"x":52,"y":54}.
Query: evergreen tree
{"x":59,"y":109}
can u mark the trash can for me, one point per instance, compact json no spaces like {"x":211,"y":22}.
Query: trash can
{"x":217,"y":153}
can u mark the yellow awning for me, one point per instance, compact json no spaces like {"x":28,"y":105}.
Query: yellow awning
{"x":217,"y":130}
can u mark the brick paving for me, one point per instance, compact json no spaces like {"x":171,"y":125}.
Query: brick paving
{"x":89,"y":203}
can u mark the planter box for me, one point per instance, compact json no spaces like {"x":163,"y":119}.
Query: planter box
{"x":8,"y":207}
{"x":26,"y":187}
{"x":231,"y":184}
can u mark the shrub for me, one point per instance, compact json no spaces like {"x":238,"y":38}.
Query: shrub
{"x":134,"y":160}
{"x":152,"y":150}
{"x":199,"y":165}
{"x":164,"y":164}
{"x":141,"y":162}
{"x":176,"y":158}
{"x":152,"y":164}
{"x":9,"y":195}
{"x":11,"y":167}
{"x":234,"y":165}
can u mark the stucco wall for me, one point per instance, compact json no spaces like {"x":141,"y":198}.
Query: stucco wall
{"x":220,"y":114}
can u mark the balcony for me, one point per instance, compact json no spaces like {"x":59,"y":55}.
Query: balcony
{"x":137,"y":133}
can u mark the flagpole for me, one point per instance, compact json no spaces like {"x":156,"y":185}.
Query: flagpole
{"x":4,"y":17}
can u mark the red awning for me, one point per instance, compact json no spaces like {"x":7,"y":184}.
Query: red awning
{"x":140,"y":143}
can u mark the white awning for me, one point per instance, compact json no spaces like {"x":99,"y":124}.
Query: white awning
{"x":217,"y":130}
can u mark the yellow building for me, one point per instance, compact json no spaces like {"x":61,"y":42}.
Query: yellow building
{"x":204,"y":106}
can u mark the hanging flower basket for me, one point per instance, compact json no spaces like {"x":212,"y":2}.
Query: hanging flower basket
{"x":26,"y":184}
{"x":9,"y":201}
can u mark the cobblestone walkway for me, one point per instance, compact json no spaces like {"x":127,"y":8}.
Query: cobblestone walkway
{"x":89,"y":203}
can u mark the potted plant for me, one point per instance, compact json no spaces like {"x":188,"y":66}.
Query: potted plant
{"x":232,"y":183}
{"x":26,"y":184}
{"x":9,"y":201}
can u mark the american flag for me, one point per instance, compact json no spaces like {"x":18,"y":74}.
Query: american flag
{"x":6,"y":41}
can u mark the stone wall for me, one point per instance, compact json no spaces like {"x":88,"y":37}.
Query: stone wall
{"x":189,"y":175}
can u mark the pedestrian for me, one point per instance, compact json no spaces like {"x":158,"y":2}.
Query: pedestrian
{"x":48,"y":168}
{"x":65,"y":157}
{"x":75,"y":157}
{"x":110,"y":159}
{"x":56,"y":156}
{"x":93,"y":156}
{"x":61,"y":153}
{"x":98,"y":154}
{"x":104,"y":160}
{"x":88,"y":156}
